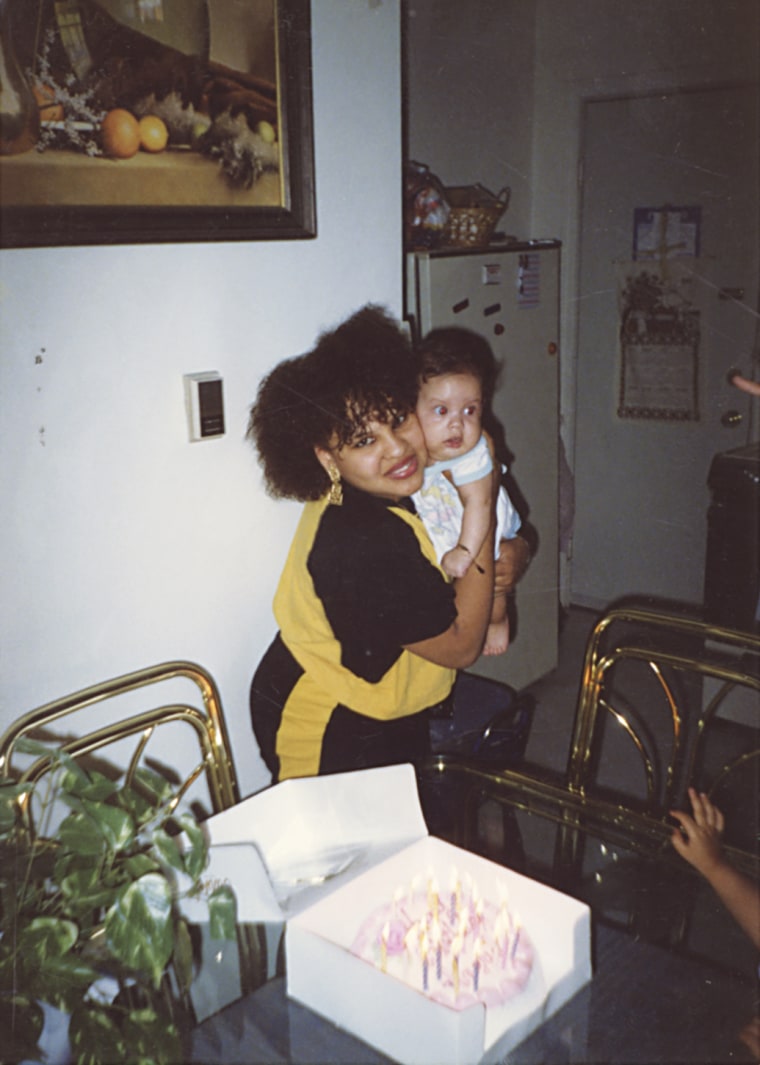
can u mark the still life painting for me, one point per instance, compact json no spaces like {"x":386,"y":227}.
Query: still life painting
{"x":150,"y":120}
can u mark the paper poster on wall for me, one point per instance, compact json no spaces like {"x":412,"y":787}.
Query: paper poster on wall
{"x":528,"y":280}
{"x":663,"y":233}
{"x":659,"y":342}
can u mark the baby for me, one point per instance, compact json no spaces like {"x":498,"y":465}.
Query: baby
{"x":457,"y":374}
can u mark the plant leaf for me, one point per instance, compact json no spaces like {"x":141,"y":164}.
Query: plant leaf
{"x":139,"y":925}
{"x":148,"y":795}
{"x":84,"y":832}
{"x":95,"y":1034}
{"x":85,"y":891}
{"x":9,"y":810}
{"x":62,"y":981}
{"x":152,"y":1038}
{"x":168,"y":849}
{"x":115,"y":825}
{"x":137,"y":865}
{"x":96,"y":788}
{"x":195,"y":857}
{"x":26,"y":745}
{"x":182,"y":957}
{"x":76,"y":834}
{"x":21,"y":1022}
{"x":222,"y":912}
{"x":48,"y":937}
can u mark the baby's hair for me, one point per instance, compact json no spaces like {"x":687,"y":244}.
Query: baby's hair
{"x":451,"y":350}
{"x":362,"y":371}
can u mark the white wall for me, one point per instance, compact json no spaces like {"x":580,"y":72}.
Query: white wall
{"x":596,"y":49}
{"x":469,"y":81}
{"x":122,"y":544}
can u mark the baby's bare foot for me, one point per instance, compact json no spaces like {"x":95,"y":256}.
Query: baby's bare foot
{"x":497,"y":638}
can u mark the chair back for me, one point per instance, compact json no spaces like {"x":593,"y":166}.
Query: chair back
{"x":675,"y":701}
{"x":135,"y":732}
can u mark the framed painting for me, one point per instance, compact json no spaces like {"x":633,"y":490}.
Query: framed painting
{"x":150,"y":121}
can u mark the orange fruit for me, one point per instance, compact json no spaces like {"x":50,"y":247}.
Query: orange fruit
{"x":50,"y":111}
{"x":153,"y":133}
{"x":120,"y":134}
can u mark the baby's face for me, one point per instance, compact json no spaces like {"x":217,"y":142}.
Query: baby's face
{"x":449,"y":408}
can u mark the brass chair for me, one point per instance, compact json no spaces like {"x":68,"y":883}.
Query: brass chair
{"x":665,"y":701}
{"x":205,"y":722}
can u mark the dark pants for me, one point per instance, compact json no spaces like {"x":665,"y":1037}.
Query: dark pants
{"x":351,"y":740}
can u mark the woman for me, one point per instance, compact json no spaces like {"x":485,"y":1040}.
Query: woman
{"x":371,"y":630}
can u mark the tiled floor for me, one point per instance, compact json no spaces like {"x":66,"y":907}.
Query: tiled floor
{"x":557,"y":693}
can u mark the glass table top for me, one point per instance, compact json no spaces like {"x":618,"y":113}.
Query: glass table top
{"x":674,"y":977}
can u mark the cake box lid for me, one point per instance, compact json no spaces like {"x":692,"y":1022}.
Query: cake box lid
{"x":286,"y":846}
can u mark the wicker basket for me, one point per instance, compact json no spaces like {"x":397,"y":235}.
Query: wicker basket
{"x":474,"y":214}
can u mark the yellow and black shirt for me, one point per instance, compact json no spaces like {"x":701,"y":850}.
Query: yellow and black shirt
{"x":336,"y":690}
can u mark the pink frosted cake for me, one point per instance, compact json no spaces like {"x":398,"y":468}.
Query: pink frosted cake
{"x":453,"y":946}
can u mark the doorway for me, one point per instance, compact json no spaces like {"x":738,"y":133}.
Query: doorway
{"x":641,"y":466}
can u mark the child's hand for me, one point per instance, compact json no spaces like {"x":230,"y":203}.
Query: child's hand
{"x":698,"y":840}
{"x":456,"y":562}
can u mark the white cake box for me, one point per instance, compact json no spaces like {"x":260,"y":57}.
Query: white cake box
{"x":333,"y":849}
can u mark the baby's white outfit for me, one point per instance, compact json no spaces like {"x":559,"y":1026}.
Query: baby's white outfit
{"x":440,"y":507}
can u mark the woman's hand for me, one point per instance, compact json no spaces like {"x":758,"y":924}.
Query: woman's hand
{"x":514,"y":556}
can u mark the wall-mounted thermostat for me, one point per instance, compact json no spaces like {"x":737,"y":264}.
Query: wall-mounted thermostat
{"x":205,"y":405}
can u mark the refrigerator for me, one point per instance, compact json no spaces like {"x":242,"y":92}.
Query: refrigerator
{"x":510,"y":295}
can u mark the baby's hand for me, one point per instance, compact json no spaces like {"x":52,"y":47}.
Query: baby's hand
{"x":699,"y":838}
{"x":456,"y":562}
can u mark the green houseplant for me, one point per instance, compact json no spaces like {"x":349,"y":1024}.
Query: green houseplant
{"x":90,"y":913}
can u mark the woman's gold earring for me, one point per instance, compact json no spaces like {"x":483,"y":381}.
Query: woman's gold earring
{"x":336,"y":488}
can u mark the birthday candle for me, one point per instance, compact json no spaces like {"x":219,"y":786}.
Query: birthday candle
{"x":479,"y":911}
{"x":409,"y":939}
{"x":462,"y":930}
{"x":424,"y":952}
{"x":456,"y":893}
{"x":456,"y":949}
{"x":434,"y":898}
{"x":474,"y":900}
{"x":384,"y":945}
{"x":515,"y":941}
{"x":476,"y":966}
{"x":435,"y":935}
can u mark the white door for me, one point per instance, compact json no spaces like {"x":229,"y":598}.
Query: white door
{"x":641,"y":482}
{"x":512,"y":299}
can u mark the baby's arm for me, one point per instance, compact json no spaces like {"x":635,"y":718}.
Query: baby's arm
{"x":476,"y":499}
{"x":699,"y":841}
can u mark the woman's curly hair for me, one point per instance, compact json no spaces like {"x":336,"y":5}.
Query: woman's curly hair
{"x":361,"y":371}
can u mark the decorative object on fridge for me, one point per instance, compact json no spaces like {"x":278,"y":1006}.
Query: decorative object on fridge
{"x":426,"y":209}
{"x":474,"y":215}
